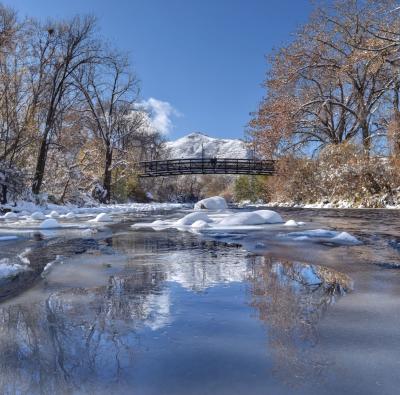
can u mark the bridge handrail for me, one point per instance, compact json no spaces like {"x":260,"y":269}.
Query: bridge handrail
{"x":206,"y":166}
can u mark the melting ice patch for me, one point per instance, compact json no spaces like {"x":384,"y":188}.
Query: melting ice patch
{"x":8,"y":238}
{"x":8,"y":269}
{"x":322,"y":236}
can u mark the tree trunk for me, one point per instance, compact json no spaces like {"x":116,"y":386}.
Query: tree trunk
{"x":3,"y":194}
{"x":40,"y":166}
{"x":366,"y":138}
{"x":107,"y":176}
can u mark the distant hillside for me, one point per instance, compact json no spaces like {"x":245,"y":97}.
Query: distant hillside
{"x":190,"y":146}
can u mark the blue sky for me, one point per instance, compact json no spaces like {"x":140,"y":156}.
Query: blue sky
{"x":203,"y":58}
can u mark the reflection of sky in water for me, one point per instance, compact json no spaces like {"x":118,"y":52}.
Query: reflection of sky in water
{"x":165,"y":313}
{"x":170,"y":312}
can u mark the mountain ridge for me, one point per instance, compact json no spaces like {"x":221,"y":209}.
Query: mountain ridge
{"x":197,"y":144}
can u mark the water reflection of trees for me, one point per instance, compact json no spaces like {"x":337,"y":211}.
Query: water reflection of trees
{"x":80,"y":340}
{"x":186,"y":259}
{"x":290,"y":298}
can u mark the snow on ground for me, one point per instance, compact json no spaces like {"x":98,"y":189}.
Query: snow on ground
{"x":26,"y":215}
{"x":340,"y":204}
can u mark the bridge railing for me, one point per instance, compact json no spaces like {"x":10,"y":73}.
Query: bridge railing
{"x":205,"y":166}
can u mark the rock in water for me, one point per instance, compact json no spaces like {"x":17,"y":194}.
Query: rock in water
{"x":49,"y":224}
{"x":212,"y":203}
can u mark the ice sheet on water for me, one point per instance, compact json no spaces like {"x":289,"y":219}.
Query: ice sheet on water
{"x":9,"y":269}
{"x":8,"y":238}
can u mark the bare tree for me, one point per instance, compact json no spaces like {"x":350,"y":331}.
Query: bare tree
{"x":325,"y":88}
{"x":58,"y":50}
{"x":110,"y":90}
{"x":15,"y":102}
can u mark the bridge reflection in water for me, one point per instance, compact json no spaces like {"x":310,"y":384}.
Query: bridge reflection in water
{"x":175,"y":167}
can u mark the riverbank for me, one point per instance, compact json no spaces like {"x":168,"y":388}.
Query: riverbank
{"x":341,"y":204}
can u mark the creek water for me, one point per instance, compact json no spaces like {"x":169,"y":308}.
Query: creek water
{"x":151,"y":312}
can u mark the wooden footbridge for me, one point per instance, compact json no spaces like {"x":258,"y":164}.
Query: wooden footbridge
{"x":175,"y":167}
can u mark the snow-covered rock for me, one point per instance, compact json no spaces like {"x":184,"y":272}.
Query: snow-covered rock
{"x":200,"y":224}
{"x":189,"y":219}
{"x":158,"y":222}
{"x":50,"y":223}
{"x":10,"y":215}
{"x":38,"y":216}
{"x":345,"y":238}
{"x":324,"y":236}
{"x":54,"y":214}
{"x":70,"y":215}
{"x":211,"y":203}
{"x":195,"y":144}
{"x":291,"y":222}
{"x":251,"y":218}
{"x":89,"y":232}
{"x":102,"y":217}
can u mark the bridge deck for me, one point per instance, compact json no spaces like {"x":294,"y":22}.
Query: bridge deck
{"x":174,"y":167}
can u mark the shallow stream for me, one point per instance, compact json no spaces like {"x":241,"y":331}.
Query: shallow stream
{"x":152,"y":312}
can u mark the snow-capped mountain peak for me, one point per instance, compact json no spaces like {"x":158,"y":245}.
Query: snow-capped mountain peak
{"x":194,"y":144}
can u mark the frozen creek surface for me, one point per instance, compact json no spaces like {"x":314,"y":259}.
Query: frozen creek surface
{"x":164,"y":311}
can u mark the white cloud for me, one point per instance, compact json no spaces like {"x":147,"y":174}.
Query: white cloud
{"x":160,"y":113}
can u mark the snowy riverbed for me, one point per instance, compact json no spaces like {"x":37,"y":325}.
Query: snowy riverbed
{"x":211,"y":219}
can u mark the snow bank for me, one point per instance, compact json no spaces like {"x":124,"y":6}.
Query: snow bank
{"x":189,"y":219}
{"x":103,"y":217}
{"x":50,"y":223}
{"x":259,"y":217}
{"x":212,"y":203}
